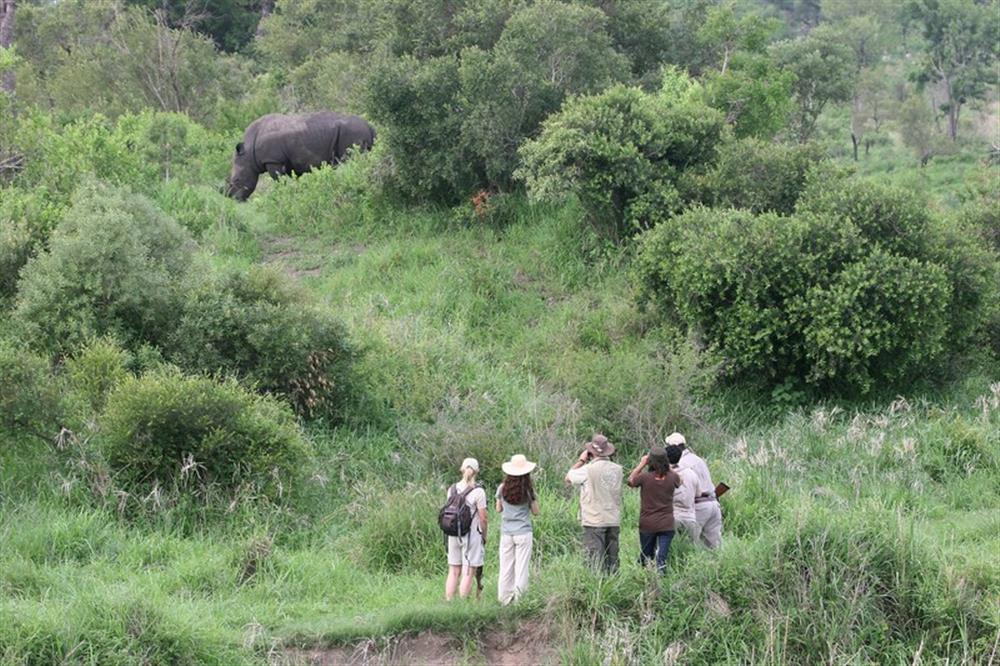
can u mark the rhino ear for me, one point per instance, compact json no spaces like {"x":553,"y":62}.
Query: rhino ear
{"x":239,"y":148}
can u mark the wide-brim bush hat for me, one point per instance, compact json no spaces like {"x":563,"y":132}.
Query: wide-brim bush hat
{"x":600,"y":447}
{"x":675,"y":439}
{"x":518,"y":465}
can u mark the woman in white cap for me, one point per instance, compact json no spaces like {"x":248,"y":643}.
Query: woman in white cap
{"x":465,"y":553}
{"x":516,"y":503}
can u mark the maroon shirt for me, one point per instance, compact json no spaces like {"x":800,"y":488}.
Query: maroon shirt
{"x":656,"y":513}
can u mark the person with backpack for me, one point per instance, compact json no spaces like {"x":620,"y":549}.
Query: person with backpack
{"x":600,"y":482}
{"x":516,"y":502}
{"x":463,"y":519}
{"x":656,"y":512}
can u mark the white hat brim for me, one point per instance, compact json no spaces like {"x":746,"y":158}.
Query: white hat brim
{"x":517,"y":470}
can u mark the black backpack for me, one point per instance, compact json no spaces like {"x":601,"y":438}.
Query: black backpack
{"x":455,"y":517}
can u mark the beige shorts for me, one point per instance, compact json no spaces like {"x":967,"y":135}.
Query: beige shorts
{"x":467,"y":551}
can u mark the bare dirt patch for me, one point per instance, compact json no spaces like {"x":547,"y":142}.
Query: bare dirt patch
{"x":532,"y":644}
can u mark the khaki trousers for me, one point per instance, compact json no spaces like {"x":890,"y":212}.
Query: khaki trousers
{"x":515,"y":558}
{"x":710,"y":521}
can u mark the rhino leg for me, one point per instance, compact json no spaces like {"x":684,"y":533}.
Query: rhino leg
{"x":275,"y":169}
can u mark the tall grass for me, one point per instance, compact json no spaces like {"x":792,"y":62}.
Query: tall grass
{"x":853,"y":534}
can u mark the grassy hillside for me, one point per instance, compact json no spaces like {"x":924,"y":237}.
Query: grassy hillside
{"x":853,"y":533}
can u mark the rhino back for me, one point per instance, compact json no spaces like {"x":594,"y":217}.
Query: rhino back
{"x":300,"y":141}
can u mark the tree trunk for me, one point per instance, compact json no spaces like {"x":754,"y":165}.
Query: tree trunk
{"x":854,"y":144}
{"x":954,"y":108}
{"x":7,"y":40}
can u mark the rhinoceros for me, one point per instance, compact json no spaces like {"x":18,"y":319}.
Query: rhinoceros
{"x":293,"y":143}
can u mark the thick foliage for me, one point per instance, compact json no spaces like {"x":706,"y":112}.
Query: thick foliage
{"x":804,"y":298}
{"x":113,"y":266}
{"x":454,"y":121}
{"x":256,"y":325}
{"x":31,"y":399}
{"x":624,"y":154}
{"x":758,"y":176}
{"x":168,"y":429}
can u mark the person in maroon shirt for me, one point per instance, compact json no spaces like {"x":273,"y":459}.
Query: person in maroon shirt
{"x":656,"y":513}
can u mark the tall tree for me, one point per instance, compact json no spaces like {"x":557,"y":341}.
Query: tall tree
{"x":7,"y":8}
{"x":962,"y":38}
{"x":824,"y":72}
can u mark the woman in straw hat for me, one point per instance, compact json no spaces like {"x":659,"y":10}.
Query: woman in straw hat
{"x":516,"y":503}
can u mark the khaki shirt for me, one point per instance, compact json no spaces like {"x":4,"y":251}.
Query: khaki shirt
{"x":697,"y":465}
{"x":600,"y":484}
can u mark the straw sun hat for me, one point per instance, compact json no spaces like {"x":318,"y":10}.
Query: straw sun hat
{"x":518,"y":465}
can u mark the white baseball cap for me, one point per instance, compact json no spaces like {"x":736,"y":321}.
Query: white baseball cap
{"x":470,"y":463}
{"x":676,"y":439}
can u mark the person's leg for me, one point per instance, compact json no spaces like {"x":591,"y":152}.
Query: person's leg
{"x":467,"y":579}
{"x":522,"y":561}
{"x":611,"y":536}
{"x":647,"y":547}
{"x":711,"y":530}
{"x":593,"y":546}
{"x":507,"y":578}
{"x":663,"y":540}
{"x":451,"y":583}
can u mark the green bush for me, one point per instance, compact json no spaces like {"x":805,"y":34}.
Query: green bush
{"x":164,"y":428}
{"x":197,"y":207}
{"x":31,"y":398}
{"x":96,"y":369}
{"x":903,"y":223}
{"x":257,"y":325}
{"x":454,"y":121}
{"x":760,"y":176}
{"x":27,"y":218}
{"x":114,"y":266}
{"x":803,"y":298}
{"x":623,"y":154}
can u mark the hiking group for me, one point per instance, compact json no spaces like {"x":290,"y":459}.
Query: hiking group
{"x":676,"y":494}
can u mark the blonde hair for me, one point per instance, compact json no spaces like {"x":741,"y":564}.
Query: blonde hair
{"x":469,"y":475}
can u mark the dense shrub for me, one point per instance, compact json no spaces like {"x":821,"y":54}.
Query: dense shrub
{"x":760,"y":176}
{"x":903,"y":223}
{"x":96,"y":369}
{"x":623,"y":154}
{"x":31,"y":398}
{"x":453,"y":121}
{"x":257,"y":325}
{"x":164,"y":428}
{"x":801,"y":298}
{"x":113,"y":266}
{"x":197,"y":207}
{"x":58,"y":157}
{"x":27,"y":217}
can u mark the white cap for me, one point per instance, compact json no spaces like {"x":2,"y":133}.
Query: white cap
{"x":470,"y":463}
{"x":676,"y":439}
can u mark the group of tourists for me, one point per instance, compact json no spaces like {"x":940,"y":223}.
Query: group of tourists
{"x":676,"y":495}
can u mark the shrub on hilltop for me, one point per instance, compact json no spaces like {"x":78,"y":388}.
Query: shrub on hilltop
{"x":114,"y":265}
{"x":860,"y":286}
{"x":627,"y":155}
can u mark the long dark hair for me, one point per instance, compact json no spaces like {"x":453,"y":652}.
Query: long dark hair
{"x":518,"y":489}
{"x":659,"y":466}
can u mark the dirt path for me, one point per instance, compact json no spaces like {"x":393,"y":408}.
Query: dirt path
{"x":532,"y":644}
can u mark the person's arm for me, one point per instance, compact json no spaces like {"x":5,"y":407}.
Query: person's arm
{"x":534,"y":507}
{"x":634,"y":474}
{"x":498,"y":495}
{"x":580,"y":462}
{"x":483,"y":520}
